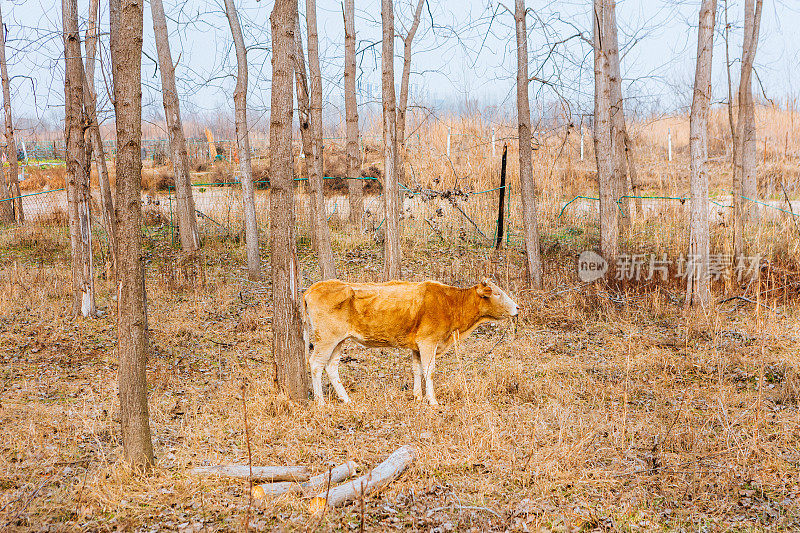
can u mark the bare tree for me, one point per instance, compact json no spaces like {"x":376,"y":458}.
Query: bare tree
{"x":243,"y":143}
{"x":745,"y":175}
{"x":93,"y":139}
{"x":322,"y":234}
{"x":698,"y":291}
{"x":355,"y":184}
{"x":392,"y":251}
{"x":604,"y":137}
{"x":80,"y":227}
{"x":287,"y":344}
{"x":402,"y":104}
{"x":528,"y":189}
{"x":126,"y":67}
{"x":187,"y":219}
{"x":623,"y":155}
{"x":11,"y":145}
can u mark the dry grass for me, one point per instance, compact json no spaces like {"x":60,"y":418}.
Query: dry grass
{"x":594,"y":411}
{"x":558,"y":169}
{"x":583,"y":415}
{"x":53,"y":177}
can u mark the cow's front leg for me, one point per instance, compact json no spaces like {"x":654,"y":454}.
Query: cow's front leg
{"x":428,"y":364}
{"x":416,"y":368}
{"x":318,"y":360}
{"x":333,"y":373}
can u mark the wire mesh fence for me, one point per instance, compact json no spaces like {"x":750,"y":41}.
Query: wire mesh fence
{"x":427,"y":215}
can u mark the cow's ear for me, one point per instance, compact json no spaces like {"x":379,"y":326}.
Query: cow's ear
{"x":484,"y":289}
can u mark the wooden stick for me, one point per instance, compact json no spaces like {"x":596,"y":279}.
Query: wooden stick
{"x":379,"y":477}
{"x":307,"y":488}
{"x":266,"y":473}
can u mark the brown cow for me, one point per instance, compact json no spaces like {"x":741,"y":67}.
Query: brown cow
{"x":423,"y":317}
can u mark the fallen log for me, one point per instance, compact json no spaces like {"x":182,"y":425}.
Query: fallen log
{"x":379,"y":477}
{"x":260,"y":473}
{"x":307,"y":488}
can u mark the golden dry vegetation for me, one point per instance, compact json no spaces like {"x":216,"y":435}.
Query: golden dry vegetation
{"x":600,"y":409}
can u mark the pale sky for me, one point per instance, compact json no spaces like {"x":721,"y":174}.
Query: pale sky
{"x":466,"y":56}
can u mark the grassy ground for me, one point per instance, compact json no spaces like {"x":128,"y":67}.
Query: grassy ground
{"x":593,"y":411}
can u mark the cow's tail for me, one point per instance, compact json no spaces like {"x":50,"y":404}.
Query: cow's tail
{"x":308,"y":331}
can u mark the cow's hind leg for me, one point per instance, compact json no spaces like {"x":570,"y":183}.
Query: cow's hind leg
{"x":332,"y":368}
{"x":317,"y":361}
{"x":428,"y":363}
{"x":416,"y":368}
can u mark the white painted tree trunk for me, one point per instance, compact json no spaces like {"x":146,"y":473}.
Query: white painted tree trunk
{"x":83,"y":301}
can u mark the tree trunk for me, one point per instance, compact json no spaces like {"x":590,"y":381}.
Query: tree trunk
{"x":744,"y":175}
{"x":622,"y":187}
{"x":126,"y":68}
{"x":310,"y":487}
{"x":93,"y":137}
{"x":243,"y":144}
{"x":6,"y":204}
{"x":80,"y":227}
{"x":271,"y":474}
{"x":322,"y":234}
{"x":730,"y":87}
{"x":376,"y":479}
{"x":392,"y":252}
{"x":402,"y":104}
{"x":527,"y":187}
{"x":11,"y":145}
{"x":697,"y":284}
{"x":604,"y":138}
{"x":287,"y":343}
{"x":187,"y":219}
{"x":355,"y":185}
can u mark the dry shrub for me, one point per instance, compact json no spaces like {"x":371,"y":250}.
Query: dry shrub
{"x":43,"y":178}
{"x":779,"y":173}
{"x":39,"y":242}
{"x":158,"y":179}
{"x":180,"y":271}
{"x":254,"y":318}
{"x":55,"y":217}
{"x":787,"y":391}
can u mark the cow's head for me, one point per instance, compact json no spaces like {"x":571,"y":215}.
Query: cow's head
{"x":498,"y":303}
